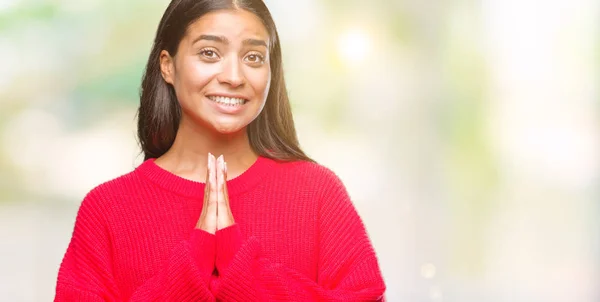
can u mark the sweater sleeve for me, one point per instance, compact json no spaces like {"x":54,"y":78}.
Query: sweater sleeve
{"x":85,"y":273}
{"x":348,"y":268}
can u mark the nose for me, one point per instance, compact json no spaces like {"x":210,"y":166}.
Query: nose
{"x":232,"y":73}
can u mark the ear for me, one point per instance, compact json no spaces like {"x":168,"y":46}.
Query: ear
{"x":167,"y":66}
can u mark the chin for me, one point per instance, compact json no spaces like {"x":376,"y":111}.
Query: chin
{"x":222,"y":130}
{"x":225,"y":125}
{"x":228,"y":128}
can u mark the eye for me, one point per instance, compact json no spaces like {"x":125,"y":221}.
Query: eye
{"x":255,"y":59}
{"x":209,"y":53}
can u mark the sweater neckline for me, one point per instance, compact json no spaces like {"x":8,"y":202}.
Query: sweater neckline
{"x":174,"y":183}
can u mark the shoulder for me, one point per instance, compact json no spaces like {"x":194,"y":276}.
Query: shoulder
{"x":312,"y":174}
{"x":306,"y":169}
{"x":325,"y":186}
{"x":102,"y":197}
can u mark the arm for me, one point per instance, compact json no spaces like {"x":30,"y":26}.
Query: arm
{"x":85,"y":273}
{"x":348,"y":267}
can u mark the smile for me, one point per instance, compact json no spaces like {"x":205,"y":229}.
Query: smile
{"x":227,"y":100}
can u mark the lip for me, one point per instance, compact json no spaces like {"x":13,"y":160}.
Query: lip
{"x":222,"y":108}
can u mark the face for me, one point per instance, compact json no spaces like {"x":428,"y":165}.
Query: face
{"x":221,"y":72}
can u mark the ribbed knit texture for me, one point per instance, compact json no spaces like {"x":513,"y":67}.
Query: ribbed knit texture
{"x":297,"y":237}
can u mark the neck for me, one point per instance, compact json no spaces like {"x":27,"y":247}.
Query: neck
{"x":188,"y":155}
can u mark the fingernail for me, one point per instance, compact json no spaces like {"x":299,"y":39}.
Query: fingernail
{"x":225,"y":167}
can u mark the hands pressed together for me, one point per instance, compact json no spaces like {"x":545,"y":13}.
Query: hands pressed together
{"x":216,"y":213}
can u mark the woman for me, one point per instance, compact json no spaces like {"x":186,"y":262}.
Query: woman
{"x":269,"y":224}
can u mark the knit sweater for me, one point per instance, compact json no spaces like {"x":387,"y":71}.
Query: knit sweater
{"x":296,"y":237}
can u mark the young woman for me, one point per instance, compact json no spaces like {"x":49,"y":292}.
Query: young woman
{"x":260,"y":222}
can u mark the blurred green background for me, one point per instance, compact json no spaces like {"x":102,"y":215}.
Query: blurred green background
{"x":467,"y":133}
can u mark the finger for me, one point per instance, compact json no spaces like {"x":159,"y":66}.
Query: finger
{"x":206,"y":188}
{"x":207,"y":222}
{"x":221,"y":179}
{"x":225,"y":217}
{"x":226,"y":191}
{"x":211,"y":209}
{"x":213,"y":198}
{"x":225,"y":182}
{"x":206,"y":179}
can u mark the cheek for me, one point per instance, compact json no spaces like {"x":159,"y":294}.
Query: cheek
{"x":194,"y":75}
{"x":260,"y":81}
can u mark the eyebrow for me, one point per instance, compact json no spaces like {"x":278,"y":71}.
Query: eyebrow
{"x":255,"y":42}
{"x":224,"y":40}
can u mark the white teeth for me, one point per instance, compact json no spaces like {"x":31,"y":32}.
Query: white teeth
{"x":227,"y":101}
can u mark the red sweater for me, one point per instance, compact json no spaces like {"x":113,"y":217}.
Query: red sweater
{"x":297,"y":237}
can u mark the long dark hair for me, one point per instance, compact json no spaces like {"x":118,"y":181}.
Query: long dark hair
{"x":272,"y":134}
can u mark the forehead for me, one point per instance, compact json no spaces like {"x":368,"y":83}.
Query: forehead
{"x":233,"y":24}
